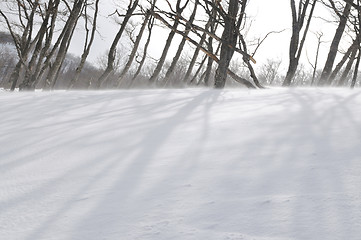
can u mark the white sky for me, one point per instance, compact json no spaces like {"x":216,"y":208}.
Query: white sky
{"x":266,"y":16}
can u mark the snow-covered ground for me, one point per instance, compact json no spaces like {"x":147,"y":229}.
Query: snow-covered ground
{"x":181,"y":164}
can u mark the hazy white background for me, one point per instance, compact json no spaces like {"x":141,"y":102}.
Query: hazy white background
{"x":266,"y":16}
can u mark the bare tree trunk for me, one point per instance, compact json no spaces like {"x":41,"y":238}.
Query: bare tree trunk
{"x":42,"y":67}
{"x":112,"y":51}
{"x":181,"y":45}
{"x":27,"y":84}
{"x":229,"y":38}
{"x":87,"y":46}
{"x":41,"y":64}
{"x":135,"y":48}
{"x":296,"y":45}
{"x":145,"y":50}
{"x":161,"y":61}
{"x":353,"y":82}
{"x":348,"y":67}
{"x":314,"y":66}
{"x":15,"y":75}
{"x":210,"y":63}
{"x":194,"y":59}
{"x":23,"y":43}
{"x":334,"y":47}
{"x":212,"y":27}
{"x":63,"y":48}
{"x":207,"y":73}
{"x":342,"y":62}
{"x":358,"y":39}
{"x":249,"y":65}
{"x":63,"y":57}
{"x":197,"y":44}
{"x":198,"y":70}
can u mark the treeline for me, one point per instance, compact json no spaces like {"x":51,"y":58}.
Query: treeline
{"x":8,"y":60}
{"x":212,"y":33}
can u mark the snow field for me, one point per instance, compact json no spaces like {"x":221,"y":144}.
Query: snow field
{"x":181,"y":164}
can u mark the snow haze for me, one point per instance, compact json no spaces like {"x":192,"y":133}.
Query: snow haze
{"x":181,"y":164}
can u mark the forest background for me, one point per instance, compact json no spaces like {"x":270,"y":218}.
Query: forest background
{"x":142,"y":43}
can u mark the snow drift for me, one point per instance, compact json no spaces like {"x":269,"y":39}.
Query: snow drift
{"x":181,"y":164}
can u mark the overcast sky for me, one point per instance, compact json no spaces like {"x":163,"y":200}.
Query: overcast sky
{"x":266,"y":16}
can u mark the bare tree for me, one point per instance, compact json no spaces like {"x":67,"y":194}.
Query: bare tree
{"x":133,"y":53}
{"x":215,"y":58}
{"x":49,"y":49}
{"x":357,"y":28}
{"x":194,"y":59}
{"x":36,"y":41}
{"x":229,"y":41}
{"x":89,"y":39}
{"x":231,"y":19}
{"x":33,"y":67}
{"x":297,"y":41}
{"x":314,"y":65}
{"x":269,"y":71}
{"x":181,"y":45}
{"x":212,"y":28}
{"x":354,"y":78}
{"x":179,"y":9}
{"x":200,"y":67}
{"x":145,"y":50}
{"x":112,"y":51}
{"x":327,"y":69}
{"x":348,"y":67}
{"x":65,"y":42}
{"x":21,"y":32}
{"x":345,"y":57}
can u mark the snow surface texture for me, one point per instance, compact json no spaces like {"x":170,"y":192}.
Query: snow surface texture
{"x":181,"y":164}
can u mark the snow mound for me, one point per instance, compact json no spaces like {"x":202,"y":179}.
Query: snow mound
{"x":181,"y":164}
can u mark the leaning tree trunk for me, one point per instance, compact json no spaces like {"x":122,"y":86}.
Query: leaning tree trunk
{"x":161,"y":61}
{"x":135,"y":49}
{"x":15,"y":75}
{"x":193,"y":80}
{"x":334,"y":47}
{"x":72,"y":21}
{"x":348,"y":67}
{"x":63,"y":58}
{"x":145,"y":50}
{"x":194,"y":59}
{"x":316,"y":60}
{"x":353,"y":82}
{"x":23,"y":43}
{"x":215,"y":58}
{"x":46,"y":53}
{"x":212,"y":27}
{"x":181,"y":45}
{"x":342,"y":62}
{"x":112,"y":51}
{"x":248,"y":63}
{"x":229,"y":40}
{"x":358,"y":38}
{"x":209,"y":68}
{"x":296,"y":45}
{"x":87,"y":46}
{"x":28,"y":84}
{"x":38,"y":72}
{"x":209,"y":23}
{"x":209,"y":63}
